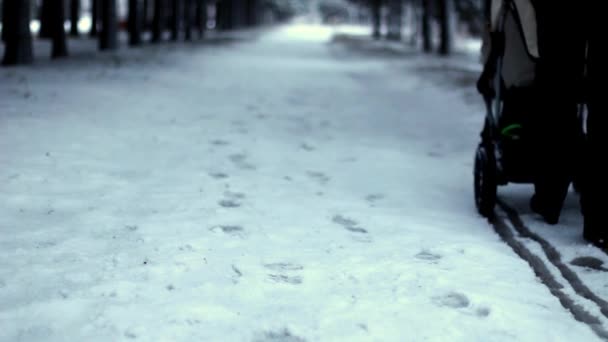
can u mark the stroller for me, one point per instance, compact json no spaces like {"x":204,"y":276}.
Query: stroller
{"x":510,"y":52}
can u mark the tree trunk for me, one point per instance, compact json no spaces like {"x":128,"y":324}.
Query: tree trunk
{"x":395,"y":18}
{"x":175,"y":19}
{"x":134,"y":23}
{"x":188,"y":19}
{"x":108,"y":37}
{"x":46,"y":19}
{"x":57,"y":21}
{"x":94,"y":17}
{"x":224,"y":17}
{"x":427,"y":44}
{"x":252,"y":12}
{"x":157,"y":24}
{"x":16,"y":32}
{"x":74,"y":17}
{"x":201,"y":17}
{"x":144,"y":15}
{"x":445,"y":24}
{"x":376,"y":18}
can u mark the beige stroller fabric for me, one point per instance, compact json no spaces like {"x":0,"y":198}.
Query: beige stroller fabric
{"x":521,"y":40}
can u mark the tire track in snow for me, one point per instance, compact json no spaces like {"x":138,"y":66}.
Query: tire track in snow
{"x":555,"y":258}
{"x":541,"y":270}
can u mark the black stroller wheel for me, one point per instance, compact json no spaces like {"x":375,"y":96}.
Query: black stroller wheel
{"x":485,"y":181}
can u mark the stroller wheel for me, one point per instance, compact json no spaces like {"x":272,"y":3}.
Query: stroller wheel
{"x":485,"y":181}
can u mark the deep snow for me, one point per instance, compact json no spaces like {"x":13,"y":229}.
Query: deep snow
{"x":283,"y":187}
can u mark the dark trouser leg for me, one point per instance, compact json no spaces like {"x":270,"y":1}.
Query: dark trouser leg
{"x":594,"y":186}
{"x":561,"y":46}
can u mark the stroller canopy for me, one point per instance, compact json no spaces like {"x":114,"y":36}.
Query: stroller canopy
{"x":526,"y":17}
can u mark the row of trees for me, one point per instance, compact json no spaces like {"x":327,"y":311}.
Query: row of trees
{"x":428,"y":14}
{"x":182,"y":18}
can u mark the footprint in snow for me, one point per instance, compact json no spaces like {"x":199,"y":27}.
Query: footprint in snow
{"x":589,"y":263}
{"x":229,"y":204}
{"x":281,"y":278}
{"x":218,"y":175}
{"x":426,"y":255}
{"x":307,"y":147}
{"x":240,"y":161}
{"x":374,"y":197}
{"x":348,"y":224}
{"x":278,"y":336}
{"x":283,"y":268}
{"x":454,"y":300}
{"x":318,"y":176}
{"x":230,"y":230}
{"x":219,"y":142}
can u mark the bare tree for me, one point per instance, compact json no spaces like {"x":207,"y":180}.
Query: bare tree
{"x":108,"y":37}
{"x":201,"y":17}
{"x":175,"y":19}
{"x":427,"y":44}
{"x":376,"y":17}
{"x":94,"y":17}
{"x":445,"y":12}
{"x":158,"y":21}
{"x":395,"y":18}
{"x":74,"y":17}
{"x":56,"y":25}
{"x":16,"y":32}
{"x":134,"y":23}
{"x":188,"y":19}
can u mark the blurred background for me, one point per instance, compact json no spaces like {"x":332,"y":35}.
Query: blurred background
{"x":431,"y":25}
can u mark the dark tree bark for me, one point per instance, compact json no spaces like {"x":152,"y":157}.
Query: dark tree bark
{"x":427,"y":45}
{"x":376,"y":19}
{"x":94,"y":17}
{"x":445,"y":12}
{"x":16,"y":32}
{"x":57,"y":21}
{"x":74,"y":17}
{"x":201,"y":17}
{"x":158,"y":21}
{"x":108,"y":37}
{"x":134,"y":23}
{"x":46,"y":19}
{"x":175,"y":19}
{"x":224,"y":17}
{"x":252,"y":12}
{"x":395,"y":17}
{"x":188,"y":19}
{"x":145,"y":15}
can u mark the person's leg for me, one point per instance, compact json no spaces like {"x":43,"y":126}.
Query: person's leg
{"x":561,"y":48}
{"x":594,"y":186}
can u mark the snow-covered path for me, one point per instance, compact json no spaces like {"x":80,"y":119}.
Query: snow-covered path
{"x":284,"y":188}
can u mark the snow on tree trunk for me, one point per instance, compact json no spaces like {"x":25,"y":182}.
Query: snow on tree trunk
{"x":134,"y":23}
{"x":108,"y":37}
{"x":16,"y":32}
{"x":56,"y":22}
{"x":74,"y":17}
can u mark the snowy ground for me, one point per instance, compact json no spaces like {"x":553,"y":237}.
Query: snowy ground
{"x":292,"y":186}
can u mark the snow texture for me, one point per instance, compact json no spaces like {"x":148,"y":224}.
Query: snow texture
{"x":290,"y":185}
